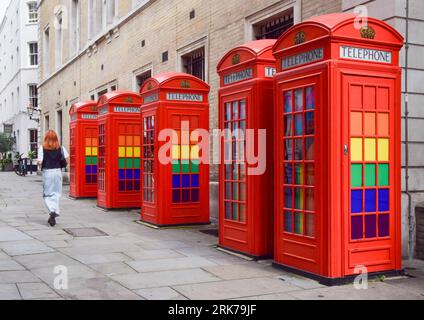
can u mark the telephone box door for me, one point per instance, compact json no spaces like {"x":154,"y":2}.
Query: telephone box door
{"x":300,"y":174}
{"x":370,"y":217}
{"x":235,"y":229}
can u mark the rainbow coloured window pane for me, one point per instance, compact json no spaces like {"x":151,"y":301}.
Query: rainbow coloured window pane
{"x":129,"y":163}
{"x":235,"y":120}
{"x":369,"y":175}
{"x":185,"y":173}
{"x":91,"y":160}
{"x":149,"y":159}
{"x":299,"y":165}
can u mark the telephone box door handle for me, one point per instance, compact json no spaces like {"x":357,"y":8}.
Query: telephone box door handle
{"x":346,"y":150}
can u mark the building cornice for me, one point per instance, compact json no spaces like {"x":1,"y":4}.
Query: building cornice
{"x":16,"y":75}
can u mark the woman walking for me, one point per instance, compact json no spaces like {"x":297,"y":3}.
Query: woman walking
{"x":52,"y":157}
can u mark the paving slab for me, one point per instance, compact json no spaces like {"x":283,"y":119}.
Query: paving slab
{"x":201,"y":251}
{"x":298,"y":281}
{"x":30,"y":291}
{"x":411,"y":284}
{"x":43,"y":260}
{"x":11,"y":234}
{"x":17,"y":248}
{"x":9,"y":292}
{"x":98,"y":289}
{"x":4,"y":256}
{"x":274,"y":296}
{"x":112,"y":269}
{"x":164,"y":278}
{"x":234,"y":289}
{"x":101,"y":258}
{"x":56,"y":244}
{"x":74,"y":273}
{"x":242,"y":271}
{"x":225,"y":259}
{"x":170,"y":264}
{"x":10,"y":265}
{"x":375,"y":291}
{"x":163,"y":244}
{"x":163,"y":293}
{"x":17,"y":277}
{"x":142,"y":254}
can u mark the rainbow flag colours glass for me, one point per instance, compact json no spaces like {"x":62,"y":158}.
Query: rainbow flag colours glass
{"x":185,"y":173}
{"x":369,"y":174}
{"x":91,"y":160}
{"x":129,"y":163}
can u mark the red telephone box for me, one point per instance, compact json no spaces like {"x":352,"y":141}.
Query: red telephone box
{"x":119,"y":150}
{"x":175,"y":183}
{"x":246,"y":102}
{"x":337,"y":148}
{"x":83,"y":142}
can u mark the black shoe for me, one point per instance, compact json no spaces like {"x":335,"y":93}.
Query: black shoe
{"x":52,"y":219}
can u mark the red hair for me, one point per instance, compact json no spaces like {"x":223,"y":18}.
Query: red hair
{"x":51,"y":142}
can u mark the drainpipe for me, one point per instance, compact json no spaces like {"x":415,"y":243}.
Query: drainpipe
{"x":407,"y":192}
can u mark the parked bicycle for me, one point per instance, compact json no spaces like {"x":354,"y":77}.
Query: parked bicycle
{"x":21,"y":169}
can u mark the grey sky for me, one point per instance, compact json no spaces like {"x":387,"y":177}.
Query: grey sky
{"x":3,"y":6}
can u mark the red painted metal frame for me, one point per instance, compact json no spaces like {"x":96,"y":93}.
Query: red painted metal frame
{"x":331,"y":255}
{"x":110,"y":197}
{"x":254,"y":236}
{"x":79,"y":125}
{"x":162,"y":211}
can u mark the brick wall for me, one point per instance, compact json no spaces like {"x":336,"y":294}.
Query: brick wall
{"x":165,"y":26}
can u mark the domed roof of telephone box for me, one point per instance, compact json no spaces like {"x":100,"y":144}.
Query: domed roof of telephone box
{"x":343,"y":27}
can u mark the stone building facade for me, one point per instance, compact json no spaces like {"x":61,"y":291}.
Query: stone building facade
{"x":89,"y":47}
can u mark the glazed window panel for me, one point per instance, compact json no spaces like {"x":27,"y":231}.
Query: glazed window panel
{"x":369,"y":172}
{"x":91,"y":158}
{"x":185,"y":166}
{"x":101,"y":161}
{"x":129,"y":172}
{"x":299,"y":161}
{"x":148,"y":152}
{"x":235,"y":166}
{"x":72,"y":156}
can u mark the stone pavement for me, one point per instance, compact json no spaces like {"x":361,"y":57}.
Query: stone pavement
{"x":137,"y":262}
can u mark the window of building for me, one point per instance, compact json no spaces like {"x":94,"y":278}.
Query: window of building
{"x":46,"y":51}
{"x":33,"y":141}
{"x":75,"y":27}
{"x":59,"y":125}
{"x":274,"y":27}
{"x":32,"y":12}
{"x":91,"y":31}
{"x":165,"y":56}
{"x":141,"y":78}
{"x":8,"y":129}
{"x":102,"y":92}
{"x":33,"y":53}
{"x":46,"y":122}
{"x":111,"y":7}
{"x":33,"y":95}
{"x":59,"y":42}
{"x":194,"y":63}
{"x":96,"y":17}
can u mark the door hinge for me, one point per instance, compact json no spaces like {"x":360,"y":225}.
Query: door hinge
{"x":346,"y":150}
